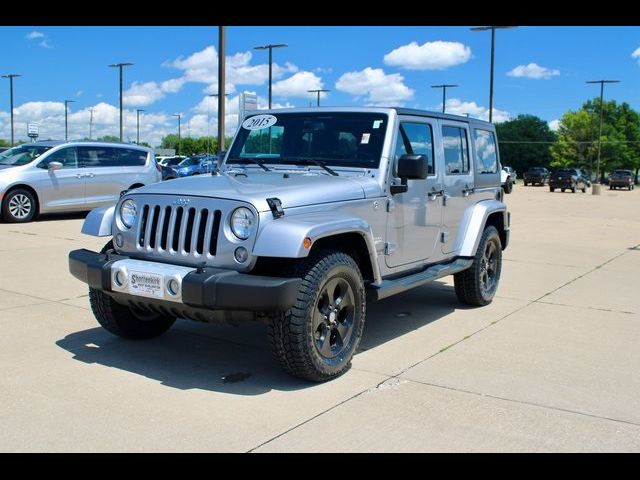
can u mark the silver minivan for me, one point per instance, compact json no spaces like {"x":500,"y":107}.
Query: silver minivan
{"x":53,"y":176}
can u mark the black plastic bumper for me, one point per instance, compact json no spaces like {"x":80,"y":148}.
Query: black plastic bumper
{"x":212,"y":288}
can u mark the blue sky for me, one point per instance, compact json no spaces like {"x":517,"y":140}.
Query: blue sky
{"x":539,"y":70}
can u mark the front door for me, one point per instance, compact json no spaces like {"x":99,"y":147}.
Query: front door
{"x":105,"y":177}
{"x":62,"y":189}
{"x":457,"y":180}
{"x":414,"y":219}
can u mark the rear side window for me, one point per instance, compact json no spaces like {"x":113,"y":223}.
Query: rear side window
{"x":456,"y":150}
{"x":416,"y":139}
{"x":111,"y":157}
{"x":487,"y":157}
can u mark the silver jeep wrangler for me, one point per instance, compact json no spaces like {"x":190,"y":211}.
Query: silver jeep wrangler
{"x":314,"y":212}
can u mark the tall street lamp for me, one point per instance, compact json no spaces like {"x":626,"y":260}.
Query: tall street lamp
{"x":444,"y":92}
{"x":11,"y":76}
{"x":138,"y":125}
{"x":120,"y":65}
{"x":601,"y":82}
{"x":318,"y":91}
{"x":493,"y":38}
{"x":222,"y":42}
{"x":270,"y":47}
{"x":208,"y":121}
{"x":179,"y":137}
{"x":66,"y":111}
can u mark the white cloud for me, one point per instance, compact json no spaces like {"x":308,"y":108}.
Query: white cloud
{"x":297,"y":85}
{"x":636,"y":54}
{"x":456,"y":106}
{"x":378,"y":87}
{"x":554,"y":125}
{"x":45,"y":44}
{"x":142,"y":94}
{"x":436,"y":55}
{"x":79,"y":93}
{"x":533,"y":70}
{"x":35,"y":34}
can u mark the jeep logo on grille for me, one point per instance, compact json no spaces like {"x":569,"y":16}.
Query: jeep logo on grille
{"x":181,"y":201}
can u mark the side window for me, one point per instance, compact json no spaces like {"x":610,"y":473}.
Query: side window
{"x":416,"y":139}
{"x":487,"y":158}
{"x":456,"y":150}
{"x":96,"y":156}
{"x":128,"y":157}
{"x":67,"y":157}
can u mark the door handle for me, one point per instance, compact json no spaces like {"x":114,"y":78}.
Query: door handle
{"x":79,"y":175}
{"x":435,"y":194}
{"x":466,"y":191}
{"x":90,"y":175}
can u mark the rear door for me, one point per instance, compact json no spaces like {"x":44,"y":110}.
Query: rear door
{"x":458,"y":182}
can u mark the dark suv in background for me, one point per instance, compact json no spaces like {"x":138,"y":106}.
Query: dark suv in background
{"x":620,"y":179}
{"x":536,"y":176}
{"x":569,"y":179}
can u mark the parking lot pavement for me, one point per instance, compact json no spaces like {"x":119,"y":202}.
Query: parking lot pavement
{"x":550,"y":365}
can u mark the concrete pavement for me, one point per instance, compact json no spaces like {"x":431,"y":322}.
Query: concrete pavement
{"x":550,"y":365}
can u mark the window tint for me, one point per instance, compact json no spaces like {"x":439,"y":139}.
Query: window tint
{"x":67,"y":157}
{"x":111,"y":157}
{"x":267,"y":141}
{"x":456,"y":150}
{"x":416,"y":139}
{"x":487,"y":158}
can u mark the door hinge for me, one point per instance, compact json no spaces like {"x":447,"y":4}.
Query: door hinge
{"x":391,"y":205}
{"x":444,"y":237}
{"x":389,"y":248}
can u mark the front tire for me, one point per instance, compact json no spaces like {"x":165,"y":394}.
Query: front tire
{"x":124,"y":321}
{"x":317,"y":338}
{"x":19,"y":206}
{"x":478,"y":284}
{"x":508,"y":187}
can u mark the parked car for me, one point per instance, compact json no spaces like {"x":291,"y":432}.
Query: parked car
{"x":167,"y":165}
{"x":536,"y":176}
{"x":50,"y":176}
{"x":512,"y":173}
{"x":506,"y":181}
{"x":315,"y":211}
{"x":170,"y":160}
{"x":568,"y":179}
{"x":196,"y":165}
{"x":621,"y":179}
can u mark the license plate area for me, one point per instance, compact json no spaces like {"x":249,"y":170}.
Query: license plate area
{"x":146,"y":284}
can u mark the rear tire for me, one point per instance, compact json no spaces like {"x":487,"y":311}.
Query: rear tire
{"x":551,"y":189}
{"x":508,"y":186}
{"x":19,"y":206}
{"x":478,"y":284}
{"x":317,"y":337}
{"x":124,"y":321}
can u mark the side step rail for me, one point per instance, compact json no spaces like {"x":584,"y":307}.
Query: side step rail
{"x":398,"y":285}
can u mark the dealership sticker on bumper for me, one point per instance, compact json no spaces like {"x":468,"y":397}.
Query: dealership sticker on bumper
{"x":146,"y":284}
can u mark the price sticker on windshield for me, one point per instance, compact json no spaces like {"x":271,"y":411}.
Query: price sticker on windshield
{"x":259,"y":122}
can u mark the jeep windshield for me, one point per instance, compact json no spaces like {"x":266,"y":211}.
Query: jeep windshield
{"x":344,"y":139}
{"x":22,"y":154}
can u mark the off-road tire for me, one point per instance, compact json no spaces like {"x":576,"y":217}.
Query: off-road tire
{"x":469,"y":284}
{"x":18,"y":202}
{"x":508,"y":186}
{"x":293,"y":335}
{"x":124,"y":321}
{"x":574,"y":189}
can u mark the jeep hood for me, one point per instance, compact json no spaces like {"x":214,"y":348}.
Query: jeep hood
{"x":295,"y":191}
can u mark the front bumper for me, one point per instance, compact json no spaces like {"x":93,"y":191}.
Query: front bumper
{"x":208,"y":288}
{"x":620,"y":183}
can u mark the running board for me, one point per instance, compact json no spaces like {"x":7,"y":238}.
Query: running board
{"x":391,"y":287}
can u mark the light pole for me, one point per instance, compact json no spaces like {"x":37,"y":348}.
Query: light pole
{"x":66,"y":110}
{"x":179,"y":138}
{"x":318,"y":91}
{"x":493,"y":38}
{"x":444,"y":92}
{"x":270,"y":47}
{"x":11,"y":76}
{"x":221,"y":88}
{"x":90,"y":122}
{"x":601,"y":82}
{"x":208,"y":120}
{"x":120,"y":65}
{"x":138,"y":125}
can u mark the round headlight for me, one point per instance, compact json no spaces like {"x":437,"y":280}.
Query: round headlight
{"x":242,"y":222}
{"x":128,"y":213}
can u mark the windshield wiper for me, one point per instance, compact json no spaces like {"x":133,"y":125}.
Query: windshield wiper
{"x":310,"y":161}
{"x":250,"y":159}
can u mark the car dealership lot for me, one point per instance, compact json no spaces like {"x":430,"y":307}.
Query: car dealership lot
{"x":550,"y":365}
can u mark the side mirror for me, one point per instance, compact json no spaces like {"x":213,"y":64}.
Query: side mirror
{"x":54,"y":166}
{"x":413,"y":167}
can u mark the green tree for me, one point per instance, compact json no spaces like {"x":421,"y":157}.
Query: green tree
{"x":3,"y":143}
{"x":108,"y":138}
{"x":525,"y":142}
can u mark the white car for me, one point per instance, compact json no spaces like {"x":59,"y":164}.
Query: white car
{"x":506,"y":180}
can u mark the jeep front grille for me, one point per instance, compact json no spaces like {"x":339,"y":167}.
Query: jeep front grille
{"x":183,"y":231}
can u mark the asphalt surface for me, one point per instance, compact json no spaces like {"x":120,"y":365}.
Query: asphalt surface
{"x":551,"y":365}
